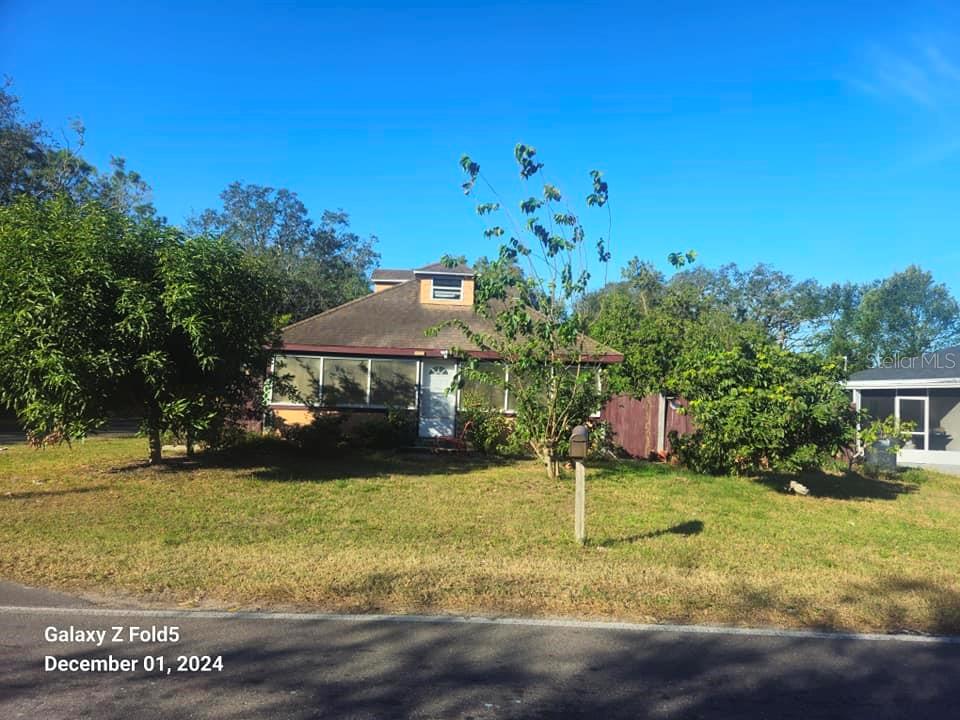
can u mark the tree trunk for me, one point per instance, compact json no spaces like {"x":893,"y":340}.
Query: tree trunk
{"x":153,"y":432}
{"x":546,"y":456}
{"x":552,"y":464}
{"x":189,"y":442}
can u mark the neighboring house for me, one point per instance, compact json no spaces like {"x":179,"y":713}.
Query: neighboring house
{"x":924,"y":390}
{"x":373,"y":353}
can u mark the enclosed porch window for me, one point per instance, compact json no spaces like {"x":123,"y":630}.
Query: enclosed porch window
{"x":329,"y":381}
{"x":934,"y":413}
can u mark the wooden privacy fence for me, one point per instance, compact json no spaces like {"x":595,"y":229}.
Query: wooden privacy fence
{"x":642,"y":426}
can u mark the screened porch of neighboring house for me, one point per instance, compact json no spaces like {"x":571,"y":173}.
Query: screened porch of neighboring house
{"x":934,"y":414}
{"x":923,"y":390}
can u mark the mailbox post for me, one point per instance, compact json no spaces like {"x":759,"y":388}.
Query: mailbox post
{"x":578,"y":453}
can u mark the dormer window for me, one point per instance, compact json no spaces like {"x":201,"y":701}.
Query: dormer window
{"x":447,"y":288}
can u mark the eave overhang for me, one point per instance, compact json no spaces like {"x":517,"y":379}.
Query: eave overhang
{"x":413,"y":352}
{"x":892,"y":384}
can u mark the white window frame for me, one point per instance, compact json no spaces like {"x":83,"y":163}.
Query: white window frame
{"x":506,"y":392}
{"x":447,"y":293}
{"x":925,"y":399}
{"x":413,"y":405}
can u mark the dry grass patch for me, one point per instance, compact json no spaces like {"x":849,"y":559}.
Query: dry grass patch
{"x":431,"y":534}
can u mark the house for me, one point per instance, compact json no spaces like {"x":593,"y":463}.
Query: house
{"x":374,"y":353}
{"x":924,"y":390}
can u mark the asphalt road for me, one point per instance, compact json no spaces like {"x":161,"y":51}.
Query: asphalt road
{"x":277,"y":666}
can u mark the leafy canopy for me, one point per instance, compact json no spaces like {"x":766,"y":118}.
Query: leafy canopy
{"x":318,"y":266}
{"x":98,"y":310}
{"x":530,"y":293}
{"x":34,"y":163}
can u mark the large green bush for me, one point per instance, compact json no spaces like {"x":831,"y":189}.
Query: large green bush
{"x":759,"y":407}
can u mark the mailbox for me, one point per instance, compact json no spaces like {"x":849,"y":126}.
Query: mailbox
{"x":578,"y":442}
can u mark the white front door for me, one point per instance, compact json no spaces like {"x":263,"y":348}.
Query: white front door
{"x":438,"y":408}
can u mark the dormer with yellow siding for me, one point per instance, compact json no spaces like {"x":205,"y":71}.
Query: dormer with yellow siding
{"x":442,"y":285}
{"x":437,"y":284}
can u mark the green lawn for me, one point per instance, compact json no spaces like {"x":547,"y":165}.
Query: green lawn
{"x":452,"y":534}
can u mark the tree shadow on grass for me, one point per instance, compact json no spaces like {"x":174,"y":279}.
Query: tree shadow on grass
{"x":846,"y":486}
{"x":942,"y":603}
{"x":49,"y":493}
{"x":374,"y":465}
{"x":287,"y":464}
{"x":691,"y":527}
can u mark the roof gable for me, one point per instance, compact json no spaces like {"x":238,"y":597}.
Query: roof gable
{"x":395,"y":321}
{"x":391,"y":319}
{"x":387,"y":274}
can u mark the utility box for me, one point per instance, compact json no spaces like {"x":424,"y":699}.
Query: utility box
{"x":578,"y":442}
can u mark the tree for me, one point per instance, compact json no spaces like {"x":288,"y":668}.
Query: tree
{"x":61,"y":350}
{"x":538,"y":333}
{"x":904,"y":315}
{"x":33,"y":163}
{"x":98,"y":309}
{"x":907,"y":314}
{"x":654,"y":327}
{"x":761,"y":295}
{"x":833,"y":311}
{"x":124,"y":191}
{"x":321,"y":266}
{"x":217,"y":313}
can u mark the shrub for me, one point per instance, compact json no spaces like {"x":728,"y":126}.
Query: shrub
{"x":256,"y":444}
{"x":760,"y":407}
{"x":601,"y":443}
{"x":343,"y":432}
{"x":487,"y":431}
{"x":889,"y":428}
{"x":395,"y":430}
{"x":324,"y":433}
{"x":882,"y":439}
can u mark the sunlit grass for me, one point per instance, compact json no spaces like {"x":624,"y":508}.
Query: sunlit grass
{"x":453,"y":534}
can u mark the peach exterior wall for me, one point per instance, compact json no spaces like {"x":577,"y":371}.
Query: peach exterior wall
{"x":426,"y":293}
{"x":293,"y":416}
{"x":302,"y":416}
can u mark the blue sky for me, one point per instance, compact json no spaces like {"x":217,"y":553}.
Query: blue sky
{"x":823,"y":139}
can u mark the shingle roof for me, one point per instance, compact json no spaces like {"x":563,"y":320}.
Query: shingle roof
{"x":387,"y":274}
{"x":440,"y":268}
{"x":929,"y":366}
{"x":396,"y":319}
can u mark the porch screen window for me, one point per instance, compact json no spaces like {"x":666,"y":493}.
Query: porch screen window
{"x":487,"y":395}
{"x":393,"y":383}
{"x":447,"y":288}
{"x":878,"y":404}
{"x":345,"y":381}
{"x":914,"y":410}
{"x":305,"y":372}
